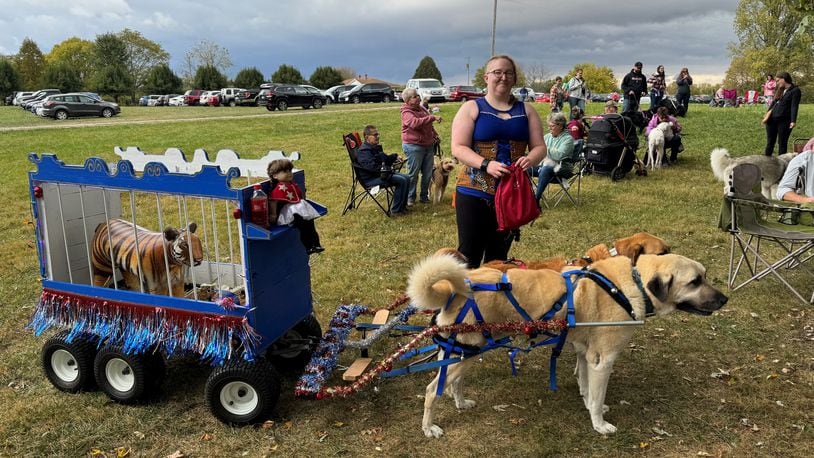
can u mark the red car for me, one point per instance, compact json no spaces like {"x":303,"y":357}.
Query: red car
{"x":464,"y":93}
{"x":192,"y":97}
{"x":544,"y":97}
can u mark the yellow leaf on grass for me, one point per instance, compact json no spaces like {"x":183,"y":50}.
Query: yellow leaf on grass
{"x":97,"y":453}
{"x":759,"y":358}
{"x":122,"y":452}
{"x":338,"y":424}
{"x":644,"y":445}
{"x":206,"y":437}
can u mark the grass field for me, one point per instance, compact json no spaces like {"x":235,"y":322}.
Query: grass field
{"x":738,"y":383}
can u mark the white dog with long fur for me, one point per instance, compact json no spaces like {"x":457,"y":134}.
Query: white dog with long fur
{"x":656,"y":142}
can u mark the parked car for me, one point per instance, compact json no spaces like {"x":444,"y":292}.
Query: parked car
{"x":529,"y":95}
{"x":332,"y":93}
{"x":283,"y":96}
{"x":63,"y":106}
{"x":429,"y":88}
{"x":142,"y":101}
{"x":152,"y":100}
{"x":36,"y":97}
{"x":542,"y":97}
{"x":192,"y":97}
{"x":164,"y":100}
{"x":371,"y":92}
{"x":205,"y":96}
{"x":177,"y":101}
{"x":228,"y":94}
{"x":19,"y":96}
{"x":464,"y":93}
{"x":10,"y":98}
{"x":247,"y":97}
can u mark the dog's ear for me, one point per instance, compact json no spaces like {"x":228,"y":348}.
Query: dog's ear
{"x":631,"y":249}
{"x":659,"y":286}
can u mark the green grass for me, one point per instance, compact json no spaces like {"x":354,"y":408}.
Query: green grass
{"x":664,"y":378}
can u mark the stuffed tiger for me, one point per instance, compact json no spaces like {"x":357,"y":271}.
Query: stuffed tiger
{"x":151,"y":248}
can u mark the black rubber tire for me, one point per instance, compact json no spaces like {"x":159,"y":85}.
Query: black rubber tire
{"x":386,"y":99}
{"x":328,"y":101}
{"x":232,"y":103}
{"x":355,"y":99}
{"x":241,"y":393}
{"x":317,"y":104}
{"x":282,"y":105}
{"x":61,"y":115}
{"x":295,"y":359}
{"x":139,"y":376}
{"x":617,"y":174}
{"x":59,"y":358}
{"x":270,"y":107}
{"x":107,"y":113}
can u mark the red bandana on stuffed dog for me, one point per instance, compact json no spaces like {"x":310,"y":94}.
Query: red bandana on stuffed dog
{"x":287,"y":192}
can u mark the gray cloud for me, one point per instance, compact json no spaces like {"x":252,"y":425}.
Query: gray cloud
{"x":387,"y":39}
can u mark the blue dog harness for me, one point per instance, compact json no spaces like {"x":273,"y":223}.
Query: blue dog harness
{"x":455,"y":352}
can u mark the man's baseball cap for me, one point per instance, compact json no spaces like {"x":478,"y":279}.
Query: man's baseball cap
{"x":638,"y":65}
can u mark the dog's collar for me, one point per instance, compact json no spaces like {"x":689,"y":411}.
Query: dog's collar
{"x":612,"y":251}
{"x":649,"y":309}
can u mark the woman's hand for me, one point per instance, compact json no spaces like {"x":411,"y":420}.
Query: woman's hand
{"x":497,"y":169}
{"x":523,"y":163}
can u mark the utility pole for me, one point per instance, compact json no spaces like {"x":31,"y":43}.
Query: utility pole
{"x":494,"y":26}
{"x":467,"y":71}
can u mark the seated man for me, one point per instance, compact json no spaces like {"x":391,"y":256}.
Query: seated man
{"x":662,"y":115}
{"x":801,"y":166}
{"x":371,"y":158}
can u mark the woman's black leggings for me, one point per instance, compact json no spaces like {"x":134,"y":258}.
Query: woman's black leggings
{"x":777,"y":130}
{"x":478,"y":237}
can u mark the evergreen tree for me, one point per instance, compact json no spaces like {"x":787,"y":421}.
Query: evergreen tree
{"x":287,"y":74}
{"x":427,"y":69}
{"x":209,"y":78}
{"x":249,"y":78}
{"x":325,"y":77}
{"x":110,"y":58}
{"x":62,"y":76}
{"x":162,"y":80}
{"x":9,"y":78}
{"x":30,"y":64}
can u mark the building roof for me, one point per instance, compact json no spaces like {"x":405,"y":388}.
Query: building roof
{"x":365,"y":80}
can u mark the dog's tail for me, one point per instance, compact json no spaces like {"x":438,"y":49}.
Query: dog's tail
{"x":719,"y":160}
{"x":422,"y":288}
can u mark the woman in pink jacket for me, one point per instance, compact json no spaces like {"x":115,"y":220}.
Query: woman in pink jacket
{"x":418,"y":139}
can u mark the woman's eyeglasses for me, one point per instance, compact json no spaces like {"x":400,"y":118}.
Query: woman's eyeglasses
{"x":501,"y":74}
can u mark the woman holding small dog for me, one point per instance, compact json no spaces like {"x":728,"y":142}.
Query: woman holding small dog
{"x":418,"y":142}
{"x":489,"y":134}
{"x":663,"y":115}
{"x":559,"y":152}
{"x":783,"y":115}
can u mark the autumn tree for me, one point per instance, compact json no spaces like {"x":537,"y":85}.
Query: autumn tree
{"x":76,"y":53}
{"x":141,"y":56}
{"x":773,"y":36}
{"x":30,"y":64}
{"x":287,"y":74}
{"x":598,"y":79}
{"x":346,"y":73}
{"x":9,"y":78}
{"x":536,"y":75}
{"x":325,"y":77}
{"x":162,"y":80}
{"x":427,"y":69}
{"x":209,"y":78}
{"x":249,"y":78}
{"x":206,"y":54}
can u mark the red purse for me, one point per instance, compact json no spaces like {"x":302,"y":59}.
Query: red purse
{"x":514,"y":200}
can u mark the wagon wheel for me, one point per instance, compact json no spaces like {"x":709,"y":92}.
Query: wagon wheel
{"x":240,"y":392}
{"x":128,"y":378}
{"x":617,"y":174}
{"x":292,"y":350}
{"x":69,"y":366}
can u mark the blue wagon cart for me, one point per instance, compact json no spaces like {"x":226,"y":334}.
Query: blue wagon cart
{"x":246,"y":307}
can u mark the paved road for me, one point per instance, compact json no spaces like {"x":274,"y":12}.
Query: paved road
{"x":78,"y":123}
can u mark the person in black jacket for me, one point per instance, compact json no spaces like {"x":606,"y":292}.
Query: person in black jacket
{"x":371,"y":158}
{"x":634,"y":86}
{"x":784,"y":114}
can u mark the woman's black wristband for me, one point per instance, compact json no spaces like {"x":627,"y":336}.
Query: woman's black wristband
{"x":484,"y":165}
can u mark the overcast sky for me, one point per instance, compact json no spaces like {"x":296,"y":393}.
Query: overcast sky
{"x":387,"y":39}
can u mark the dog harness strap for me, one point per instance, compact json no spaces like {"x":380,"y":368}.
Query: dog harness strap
{"x":649,"y":309}
{"x":552,"y":363}
{"x":612,"y":291}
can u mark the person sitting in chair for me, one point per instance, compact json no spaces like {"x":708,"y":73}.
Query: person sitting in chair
{"x":372,"y":158}
{"x":802,"y":166}
{"x":560,"y":147}
{"x":662,"y":115}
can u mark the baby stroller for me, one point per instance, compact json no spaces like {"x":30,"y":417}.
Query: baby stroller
{"x":611,"y":147}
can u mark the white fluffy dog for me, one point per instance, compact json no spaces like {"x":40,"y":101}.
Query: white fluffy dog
{"x":772,"y":168}
{"x":656,"y":142}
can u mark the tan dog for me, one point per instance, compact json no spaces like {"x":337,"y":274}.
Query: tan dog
{"x":440,"y":178}
{"x":632,"y":247}
{"x":671,"y":282}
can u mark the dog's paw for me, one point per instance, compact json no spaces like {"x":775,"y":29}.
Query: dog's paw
{"x":605,"y":428}
{"x":465,"y":404}
{"x":433,"y":431}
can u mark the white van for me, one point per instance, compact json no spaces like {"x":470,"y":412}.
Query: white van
{"x":429,"y":87}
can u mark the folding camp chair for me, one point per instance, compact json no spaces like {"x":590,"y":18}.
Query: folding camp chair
{"x":569,"y":184}
{"x":798,"y":144}
{"x":754,"y":222}
{"x":382,"y":195}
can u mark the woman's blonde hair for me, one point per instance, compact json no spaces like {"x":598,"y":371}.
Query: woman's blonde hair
{"x":408,"y":93}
